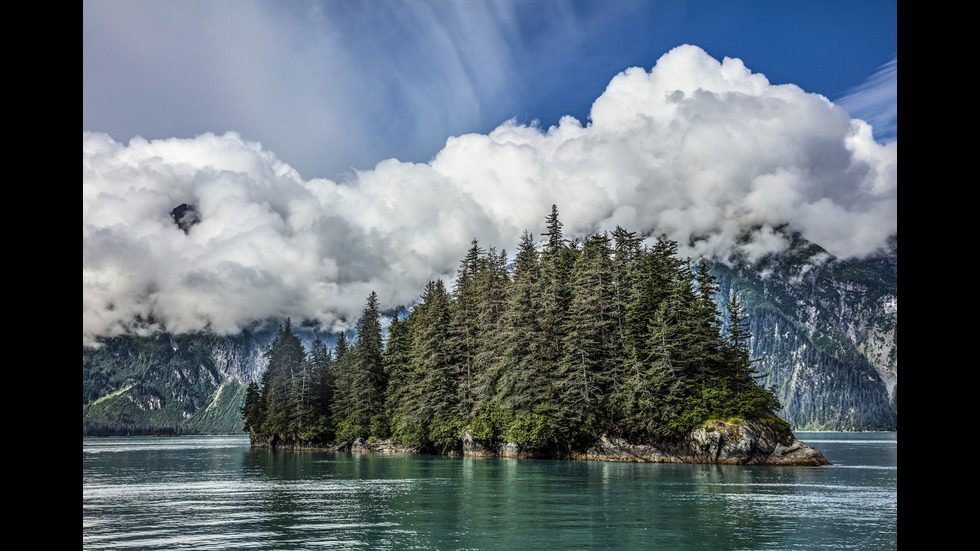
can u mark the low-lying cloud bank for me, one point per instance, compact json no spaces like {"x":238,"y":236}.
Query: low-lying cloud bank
{"x":693,"y":148}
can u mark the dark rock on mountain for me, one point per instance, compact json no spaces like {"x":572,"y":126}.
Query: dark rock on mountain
{"x":185,"y":216}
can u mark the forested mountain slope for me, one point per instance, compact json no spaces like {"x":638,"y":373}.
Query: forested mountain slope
{"x":825,"y":331}
{"x":165,"y":384}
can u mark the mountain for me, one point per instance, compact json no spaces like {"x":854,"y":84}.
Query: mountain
{"x":824,"y":333}
{"x":169,"y":384}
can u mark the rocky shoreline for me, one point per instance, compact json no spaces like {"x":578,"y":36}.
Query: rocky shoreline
{"x":746,"y":443}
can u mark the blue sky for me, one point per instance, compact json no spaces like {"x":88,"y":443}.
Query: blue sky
{"x":338,"y":148}
{"x":334,"y":85}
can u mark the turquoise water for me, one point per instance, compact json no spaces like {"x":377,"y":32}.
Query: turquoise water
{"x":214,"y":492}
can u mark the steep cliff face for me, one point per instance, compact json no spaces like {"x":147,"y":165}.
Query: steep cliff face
{"x":825,"y":332}
{"x":166,"y":384}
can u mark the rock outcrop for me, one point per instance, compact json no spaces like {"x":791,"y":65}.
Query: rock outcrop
{"x":719,"y":443}
{"x":746,"y":443}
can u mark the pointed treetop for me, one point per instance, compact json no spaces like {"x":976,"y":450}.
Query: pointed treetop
{"x":554,"y":233}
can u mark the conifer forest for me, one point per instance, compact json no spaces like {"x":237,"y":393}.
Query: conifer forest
{"x":566,"y":341}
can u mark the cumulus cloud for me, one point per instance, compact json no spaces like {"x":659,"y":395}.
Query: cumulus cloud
{"x":699,"y":149}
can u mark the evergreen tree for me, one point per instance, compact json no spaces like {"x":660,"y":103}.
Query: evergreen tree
{"x":279,"y":399}
{"x":742,"y":396}
{"x":626,"y":269}
{"x":341,"y":347}
{"x":592,"y":336}
{"x":553,"y":296}
{"x":365,"y":379}
{"x":371,"y":381}
{"x":323,"y":369}
{"x":656,"y":285}
{"x":252,"y":408}
{"x":342,"y":404}
{"x":304,"y":400}
{"x":464,"y":329}
{"x":665,"y":382}
{"x":428,"y":413}
{"x":556,"y":240}
{"x":659,"y":269}
{"x":704,"y":327}
{"x":397,"y":368}
{"x":738,"y":362}
{"x":586,"y":369}
{"x":490,"y":283}
{"x":523,"y":377}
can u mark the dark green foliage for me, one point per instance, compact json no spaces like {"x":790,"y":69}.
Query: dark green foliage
{"x":491,"y":283}
{"x":323,"y":396}
{"x":283,"y":383}
{"x":491,"y":422}
{"x":586,"y":369}
{"x":252,"y":410}
{"x":341,"y":406}
{"x":422,"y":414}
{"x":588,"y":337}
{"x":367,"y":376}
{"x":537,"y":427}
{"x":464,"y":328}
{"x":519,"y":369}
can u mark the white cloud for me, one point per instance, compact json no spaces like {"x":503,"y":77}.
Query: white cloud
{"x":695,"y":148}
{"x":875,"y":101}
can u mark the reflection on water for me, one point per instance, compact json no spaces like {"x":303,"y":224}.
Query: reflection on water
{"x":217,"y":493}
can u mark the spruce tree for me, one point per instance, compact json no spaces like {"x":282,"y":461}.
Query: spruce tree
{"x":397,"y":368}
{"x":364,"y":379}
{"x":304,"y":400}
{"x":279,"y":399}
{"x":586,"y":368}
{"x":522,"y":375}
{"x":743,"y":396}
{"x":654,"y":410}
{"x":252,"y":408}
{"x":428,"y":412}
{"x":321,"y":361}
{"x":341,"y":405}
{"x":553,"y":297}
{"x":490,"y":283}
{"x":626,"y":271}
{"x":464,"y":329}
{"x":705,"y":327}
{"x":737,"y":356}
{"x":659,"y":268}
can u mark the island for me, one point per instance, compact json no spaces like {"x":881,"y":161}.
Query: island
{"x":723,"y":443}
{"x":608,"y":348}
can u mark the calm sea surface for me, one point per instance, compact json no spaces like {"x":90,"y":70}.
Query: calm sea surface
{"x":214,"y":492}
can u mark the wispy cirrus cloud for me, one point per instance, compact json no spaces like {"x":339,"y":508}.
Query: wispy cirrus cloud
{"x":876,"y":101}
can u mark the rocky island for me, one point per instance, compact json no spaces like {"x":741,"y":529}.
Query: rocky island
{"x":720,"y":442}
{"x":610,"y":348}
